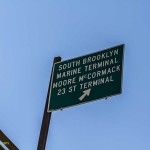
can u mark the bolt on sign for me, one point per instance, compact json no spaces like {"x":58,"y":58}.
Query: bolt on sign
{"x":6,"y":143}
{"x":86,"y":78}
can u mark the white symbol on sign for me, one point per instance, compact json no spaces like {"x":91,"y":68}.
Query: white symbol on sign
{"x":85,"y":93}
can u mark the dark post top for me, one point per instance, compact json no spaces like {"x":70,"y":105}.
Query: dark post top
{"x":46,"y":118}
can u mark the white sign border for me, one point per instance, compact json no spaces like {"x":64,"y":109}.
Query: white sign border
{"x":79,"y":57}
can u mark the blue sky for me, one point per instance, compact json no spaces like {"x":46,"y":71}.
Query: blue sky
{"x":33,"y":32}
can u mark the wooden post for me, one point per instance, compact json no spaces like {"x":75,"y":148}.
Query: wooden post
{"x":46,"y":118}
{"x":7,"y":142}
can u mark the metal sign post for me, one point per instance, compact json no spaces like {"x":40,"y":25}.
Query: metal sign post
{"x":46,"y":118}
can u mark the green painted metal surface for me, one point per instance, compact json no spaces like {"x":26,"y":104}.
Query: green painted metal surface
{"x":86,"y":78}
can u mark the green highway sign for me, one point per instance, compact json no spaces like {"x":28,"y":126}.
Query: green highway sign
{"x":86,"y":78}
